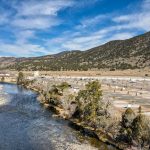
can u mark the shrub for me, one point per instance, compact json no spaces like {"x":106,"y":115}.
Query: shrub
{"x":127,"y":118}
{"x":125,"y":133}
{"x":2,"y":79}
{"x":53,"y":96}
{"x":63,"y":85}
{"x":20,"y":78}
{"x":141,"y":130}
{"x":89,"y":102}
{"x":134,"y":129}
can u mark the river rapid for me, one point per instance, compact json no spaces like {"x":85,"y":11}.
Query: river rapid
{"x":26,"y":125}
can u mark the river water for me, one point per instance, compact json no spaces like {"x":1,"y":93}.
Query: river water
{"x":26,"y":125}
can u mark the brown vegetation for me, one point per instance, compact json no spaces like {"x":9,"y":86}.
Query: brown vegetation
{"x":89,"y":109}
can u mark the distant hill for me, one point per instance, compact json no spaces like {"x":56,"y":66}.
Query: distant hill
{"x":120,"y":54}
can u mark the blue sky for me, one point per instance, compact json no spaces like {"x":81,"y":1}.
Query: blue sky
{"x":43,"y":27}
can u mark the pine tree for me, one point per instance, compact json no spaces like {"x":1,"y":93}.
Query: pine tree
{"x":125,"y":133}
{"x":141,"y":130}
{"x":89,"y":101}
{"x":20,"y":78}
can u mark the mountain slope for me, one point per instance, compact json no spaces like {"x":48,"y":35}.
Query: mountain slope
{"x":120,"y":54}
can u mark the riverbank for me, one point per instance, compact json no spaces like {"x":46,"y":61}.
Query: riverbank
{"x":80,"y":126}
{"x":55,"y":96}
{"x":26,"y":125}
{"x":100,"y":134}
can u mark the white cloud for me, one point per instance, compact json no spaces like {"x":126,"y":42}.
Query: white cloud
{"x":29,"y":17}
{"x":85,"y":3}
{"x":92,"y":21}
{"x":84,"y":43}
{"x":32,"y":16}
{"x":45,"y":7}
{"x":22,"y":49}
{"x":120,"y":36}
{"x":3,"y":18}
{"x":125,"y":27}
{"x":146,"y":5}
{"x":136,"y":20}
{"x":39,"y":15}
{"x":24,"y":35}
{"x":35,"y":23}
{"x":124,"y":18}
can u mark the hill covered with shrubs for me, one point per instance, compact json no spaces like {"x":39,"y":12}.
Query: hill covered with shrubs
{"x":132,"y":53}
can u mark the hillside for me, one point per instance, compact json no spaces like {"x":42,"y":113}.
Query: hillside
{"x":120,"y":54}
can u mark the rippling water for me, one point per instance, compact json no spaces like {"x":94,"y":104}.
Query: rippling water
{"x":26,"y":125}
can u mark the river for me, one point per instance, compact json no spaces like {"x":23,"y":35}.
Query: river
{"x":26,"y":125}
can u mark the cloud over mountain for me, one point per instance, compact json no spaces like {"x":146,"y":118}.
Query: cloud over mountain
{"x":33,"y":28}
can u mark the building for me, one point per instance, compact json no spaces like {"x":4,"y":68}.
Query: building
{"x":36,"y":73}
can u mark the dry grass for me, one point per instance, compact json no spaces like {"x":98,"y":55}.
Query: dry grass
{"x":136,"y":72}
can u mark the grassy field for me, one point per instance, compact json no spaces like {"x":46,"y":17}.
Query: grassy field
{"x":136,"y":73}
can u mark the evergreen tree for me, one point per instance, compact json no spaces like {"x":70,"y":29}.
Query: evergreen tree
{"x":2,"y":79}
{"x":125,"y":133}
{"x":89,"y":101}
{"x":20,"y":78}
{"x":141,"y":130}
